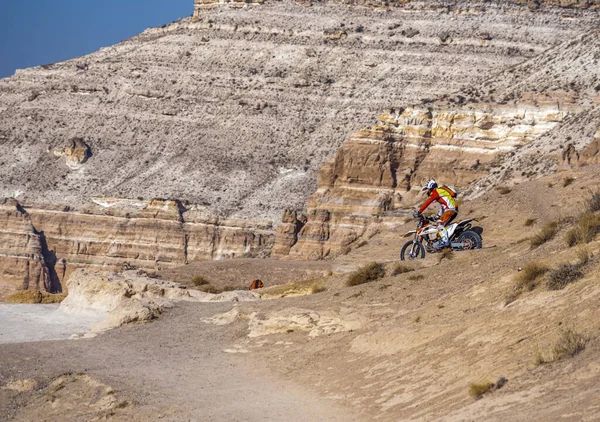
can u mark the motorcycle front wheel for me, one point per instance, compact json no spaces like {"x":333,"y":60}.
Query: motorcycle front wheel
{"x":412,"y":250}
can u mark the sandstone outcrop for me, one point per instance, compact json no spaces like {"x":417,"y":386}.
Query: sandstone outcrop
{"x":22,"y":263}
{"x":76,"y":153}
{"x":457,"y":140}
{"x":42,"y":246}
{"x":131,"y":297}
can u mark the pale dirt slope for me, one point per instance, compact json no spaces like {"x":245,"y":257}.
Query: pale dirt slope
{"x":395,"y":349}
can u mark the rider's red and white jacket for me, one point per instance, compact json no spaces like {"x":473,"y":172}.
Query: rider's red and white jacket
{"x":443,"y":197}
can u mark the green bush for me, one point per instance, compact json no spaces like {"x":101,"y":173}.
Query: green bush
{"x":366,"y":274}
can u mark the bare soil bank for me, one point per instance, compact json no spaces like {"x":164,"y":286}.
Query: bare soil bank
{"x":172,"y":369}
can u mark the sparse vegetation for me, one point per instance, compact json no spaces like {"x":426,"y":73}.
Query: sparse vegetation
{"x":209,"y":288}
{"x":569,"y":343}
{"x":366,"y":274}
{"x":530,"y":222}
{"x":583,"y":255}
{"x":200,"y":281}
{"x":545,"y":234}
{"x":401,"y":269}
{"x":567,"y":181}
{"x":478,"y":389}
{"x":296,"y":288}
{"x":35,"y":296}
{"x":345,"y":250}
{"x":594,"y":202}
{"x":584,"y":231}
{"x":526,"y":280}
{"x":503,"y":190}
{"x":565,"y":274}
{"x":317,"y":289}
{"x":362,"y":243}
{"x":416,"y":277}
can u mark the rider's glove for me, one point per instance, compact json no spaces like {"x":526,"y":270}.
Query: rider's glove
{"x":416,"y":214}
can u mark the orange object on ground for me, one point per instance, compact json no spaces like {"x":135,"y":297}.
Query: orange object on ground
{"x":256,"y":284}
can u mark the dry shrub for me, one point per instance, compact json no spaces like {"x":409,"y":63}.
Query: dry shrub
{"x":583,"y":255}
{"x":416,"y":277}
{"x":538,"y":357}
{"x":345,"y":250}
{"x":530,"y":222}
{"x":567,"y":181}
{"x":362,"y":243}
{"x":209,"y":288}
{"x":565,"y":274}
{"x":526,"y":280}
{"x":528,"y":276}
{"x":228,"y":288}
{"x":569,"y":344}
{"x":35,"y":296}
{"x":594,"y":202}
{"x":545,"y":234}
{"x":317,"y":289}
{"x":401,"y":269}
{"x":478,"y":389}
{"x":585,"y":231}
{"x":366,"y":274}
{"x":503,"y":190}
{"x":200,"y":281}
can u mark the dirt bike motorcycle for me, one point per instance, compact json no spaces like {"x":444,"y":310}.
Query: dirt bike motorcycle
{"x":462,"y":236}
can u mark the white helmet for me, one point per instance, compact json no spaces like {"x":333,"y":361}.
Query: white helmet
{"x":432,"y":184}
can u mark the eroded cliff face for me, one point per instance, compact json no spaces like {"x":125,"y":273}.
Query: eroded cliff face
{"x":237,"y":108}
{"x":42,"y":245}
{"x":382,"y":168}
{"x":501,"y":132}
{"x":22,"y":263}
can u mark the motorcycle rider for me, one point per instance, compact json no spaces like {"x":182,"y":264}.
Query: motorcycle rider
{"x":448,"y":207}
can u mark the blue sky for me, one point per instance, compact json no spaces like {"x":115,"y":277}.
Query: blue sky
{"x":34,"y":32}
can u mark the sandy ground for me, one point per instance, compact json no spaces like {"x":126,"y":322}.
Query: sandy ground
{"x":405,"y":347}
{"x":25,"y":323}
{"x":172,"y":369}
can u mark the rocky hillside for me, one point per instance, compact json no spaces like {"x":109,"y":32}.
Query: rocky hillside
{"x":524,"y":122}
{"x":236,"y":108}
{"x":232,"y":112}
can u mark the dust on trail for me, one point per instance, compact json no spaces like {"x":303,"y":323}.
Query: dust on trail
{"x":175,"y":368}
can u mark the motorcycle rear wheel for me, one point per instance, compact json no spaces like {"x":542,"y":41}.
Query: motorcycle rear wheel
{"x":412,"y":252}
{"x":472,"y":238}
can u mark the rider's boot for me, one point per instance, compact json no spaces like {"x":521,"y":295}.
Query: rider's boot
{"x":445,"y":242}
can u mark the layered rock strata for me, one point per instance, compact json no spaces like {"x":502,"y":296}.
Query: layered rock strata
{"x":237,"y":108}
{"x":382,"y":168}
{"x":22,"y":263}
{"x":488,"y":134}
{"x":42,"y":246}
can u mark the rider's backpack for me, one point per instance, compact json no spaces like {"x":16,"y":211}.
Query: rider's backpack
{"x":450,"y":190}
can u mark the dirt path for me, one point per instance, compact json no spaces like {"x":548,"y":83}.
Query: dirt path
{"x":172,"y":369}
{"x":21,"y":323}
